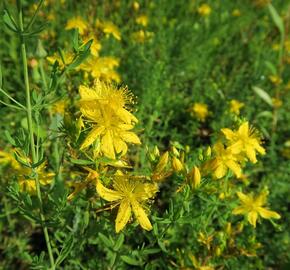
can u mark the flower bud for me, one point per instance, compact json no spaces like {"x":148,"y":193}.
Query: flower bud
{"x":194,"y":177}
{"x":162,"y":162}
{"x":176,"y":164}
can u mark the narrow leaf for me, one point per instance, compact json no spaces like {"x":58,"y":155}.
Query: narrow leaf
{"x":263,"y":95}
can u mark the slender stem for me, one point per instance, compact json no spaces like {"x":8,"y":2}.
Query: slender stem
{"x":31,"y":137}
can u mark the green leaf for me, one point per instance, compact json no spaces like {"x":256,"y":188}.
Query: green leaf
{"x":271,"y":67}
{"x":266,"y":114}
{"x":130,"y":260}
{"x":119,"y":242}
{"x":161,"y":245}
{"x":81,"y":161}
{"x":1,"y":76}
{"x":9,"y":21}
{"x":150,"y":251}
{"x":67,"y":247}
{"x":277,"y":19}
{"x":9,"y":138}
{"x":82,"y":55}
{"x":263,"y":95}
{"x":108,"y":243}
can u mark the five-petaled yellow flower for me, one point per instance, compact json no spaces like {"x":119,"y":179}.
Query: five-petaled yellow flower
{"x":130,"y":195}
{"x":252,"y":207}
{"x":106,"y":106}
{"x":204,"y":10}
{"x":235,"y":106}
{"x":244,"y":140}
{"x":224,"y":159}
{"x":77,"y":23}
{"x":200,"y":111}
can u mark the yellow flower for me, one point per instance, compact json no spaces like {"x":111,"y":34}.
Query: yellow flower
{"x":130,"y":195}
{"x":142,"y":20}
{"x":28,"y":184}
{"x":204,"y":10}
{"x":142,"y":36}
{"x":200,"y":111}
{"x":59,"y":106}
{"x":67,"y":58}
{"x":78,"y":23}
{"x":7,"y":158}
{"x":111,"y":29}
{"x":235,"y":106}
{"x":252,"y":207}
{"x":102,"y":68}
{"x":224,"y":159}
{"x":105,"y":106}
{"x":244,"y":140}
{"x":275,"y":79}
{"x":236,"y":13}
{"x":96,"y":45}
{"x":205,"y":239}
{"x":277,"y":103}
{"x":136,"y":6}
{"x":287,"y":46}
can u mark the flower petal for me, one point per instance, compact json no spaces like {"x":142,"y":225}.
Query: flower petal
{"x":252,"y":218}
{"x":251,"y":154}
{"x":106,"y":193}
{"x":107,"y":145}
{"x":92,"y":136}
{"x":130,"y":137}
{"x":234,"y":166}
{"x":123,"y":216}
{"x":220,"y":171}
{"x":244,"y":129}
{"x":240,"y":210}
{"x":229,"y":134}
{"x":141,"y":216}
{"x":245,"y":199}
{"x":265,"y":213}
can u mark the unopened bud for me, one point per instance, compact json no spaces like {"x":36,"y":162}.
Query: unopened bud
{"x":208,"y":152}
{"x":162,"y":162}
{"x":156,"y":151}
{"x":175,"y":151}
{"x":194,"y":177}
{"x":136,"y":5}
{"x":176,"y":164}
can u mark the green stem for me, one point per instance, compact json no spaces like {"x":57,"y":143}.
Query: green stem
{"x":31,"y":137}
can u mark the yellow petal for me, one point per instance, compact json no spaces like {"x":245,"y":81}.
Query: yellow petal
{"x":126,"y":116}
{"x":261,"y":198}
{"x":240,"y":210}
{"x":106,"y":193}
{"x":87,"y":93}
{"x":251,"y":154}
{"x":265,"y":213}
{"x":252,"y":218}
{"x":244,"y":198}
{"x":120,"y":146}
{"x":130,"y":137}
{"x":107,"y":145}
{"x":259,"y":148}
{"x":234,"y":167}
{"x":141,"y":216}
{"x":92,"y":136}
{"x":220,"y":171}
{"x":244,"y":129}
{"x":230,"y":135}
{"x":123,"y":216}
{"x":236,"y":148}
